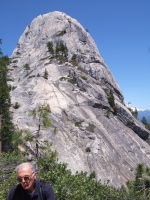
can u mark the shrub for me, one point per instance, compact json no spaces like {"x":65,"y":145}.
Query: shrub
{"x":61,"y":49}
{"x":61,"y":33}
{"x":26,"y":33}
{"x":45,"y":74}
{"x":62,"y":78}
{"x":73,"y":62}
{"x":26,"y":66}
{"x":82,"y":89}
{"x":91,"y":128}
{"x":16,"y":106}
{"x":50,"y":47}
{"x":74,"y":57}
{"x":84,"y":77}
{"x":15,"y":61}
{"x":55,"y":130}
{"x":88,"y":149}
{"x":13,"y":88}
{"x":61,"y":59}
{"x":79,"y":123}
{"x":110,"y":96}
{"x":72,"y":80}
{"x":107,"y":113}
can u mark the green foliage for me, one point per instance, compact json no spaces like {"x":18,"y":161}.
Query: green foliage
{"x":61,"y":49}
{"x":91,"y":128}
{"x":45,"y":74}
{"x":19,"y":140}
{"x":67,"y":186}
{"x":107,"y":113}
{"x":47,"y":122}
{"x":84,"y":77}
{"x":111,"y":99}
{"x":82,"y":70}
{"x":62,"y":78}
{"x":145,"y":122}
{"x":61,"y":33}
{"x":26,"y":66}
{"x":16,"y":105}
{"x":55,"y":130}
{"x":82,"y":89}
{"x":8,"y":161}
{"x":79,"y":123}
{"x":60,"y":52}
{"x":61,"y":59}
{"x":6,"y":128}
{"x":1,"y":53}
{"x":28,"y":73}
{"x":74,"y":57}
{"x":15,"y":61}
{"x":72,"y":80}
{"x":26,"y":33}
{"x":73,"y":60}
{"x":31,"y":76}
{"x":18,"y":53}
{"x":88,"y":149}
{"x":134,"y":112}
{"x":140,"y":187}
{"x":50,"y":47}
{"x":42,"y":112}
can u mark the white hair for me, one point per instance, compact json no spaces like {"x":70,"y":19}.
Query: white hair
{"x":31,"y":165}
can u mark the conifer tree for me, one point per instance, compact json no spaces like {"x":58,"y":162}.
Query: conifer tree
{"x":6,"y":126}
{"x":45,"y":74}
{"x":144,"y":121}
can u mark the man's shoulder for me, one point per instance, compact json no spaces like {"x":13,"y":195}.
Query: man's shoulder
{"x":15,"y":187}
{"x":13,"y":190}
{"x":48,"y":190}
{"x":44,"y":184}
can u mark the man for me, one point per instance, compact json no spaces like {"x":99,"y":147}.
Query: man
{"x":29,"y":187}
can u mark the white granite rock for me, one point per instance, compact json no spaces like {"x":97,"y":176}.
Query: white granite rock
{"x":113,"y":141}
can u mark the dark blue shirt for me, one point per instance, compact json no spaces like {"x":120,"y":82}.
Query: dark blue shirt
{"x":21,"y":194}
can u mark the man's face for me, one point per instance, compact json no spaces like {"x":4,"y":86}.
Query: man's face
{"x":28,"y":183}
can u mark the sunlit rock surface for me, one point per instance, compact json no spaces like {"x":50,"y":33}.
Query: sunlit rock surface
{"x":91,"y":135}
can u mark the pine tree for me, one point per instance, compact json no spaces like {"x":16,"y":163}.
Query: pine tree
{"x":144,"y":121}
{"x":45,"y":74}
{"x":6,"y":125}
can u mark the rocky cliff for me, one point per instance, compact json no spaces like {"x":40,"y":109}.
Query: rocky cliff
{"x":57,"y":63}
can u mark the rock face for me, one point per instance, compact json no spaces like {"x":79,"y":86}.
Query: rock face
{"x":56,"y":62}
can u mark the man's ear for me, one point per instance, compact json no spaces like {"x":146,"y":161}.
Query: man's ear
{"x":35,"y":173}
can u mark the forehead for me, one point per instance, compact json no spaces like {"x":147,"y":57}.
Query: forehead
{"x":24,"y":171}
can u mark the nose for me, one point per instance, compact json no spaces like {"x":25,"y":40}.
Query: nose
{"x":23,"y":180}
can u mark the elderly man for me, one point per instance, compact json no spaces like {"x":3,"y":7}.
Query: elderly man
{"x":29,"y":187}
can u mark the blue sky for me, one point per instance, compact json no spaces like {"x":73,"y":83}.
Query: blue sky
{"x":120,"y":29}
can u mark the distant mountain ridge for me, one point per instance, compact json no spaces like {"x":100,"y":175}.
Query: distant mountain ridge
{"x":144,"y":113}
{"x":141,"y":112}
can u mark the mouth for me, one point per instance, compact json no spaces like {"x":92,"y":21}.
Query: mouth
{"x":25,"y":185}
